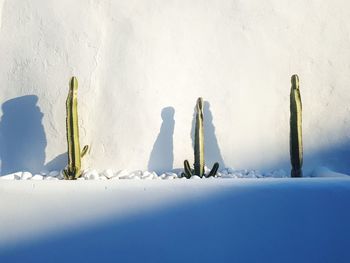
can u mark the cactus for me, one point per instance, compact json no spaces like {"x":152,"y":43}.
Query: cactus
{"x":295,"y":139}
{"x":199,"y":148}
{"x":73,"y":170}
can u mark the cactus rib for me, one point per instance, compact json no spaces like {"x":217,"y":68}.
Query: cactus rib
{"x":199,"y":140}
{"x":295,"y":139}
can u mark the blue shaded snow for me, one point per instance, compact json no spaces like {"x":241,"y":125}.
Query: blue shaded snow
{"x":248,"y":220}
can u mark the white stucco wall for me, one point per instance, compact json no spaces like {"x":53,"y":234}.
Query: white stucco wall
{"x":135,"y":59}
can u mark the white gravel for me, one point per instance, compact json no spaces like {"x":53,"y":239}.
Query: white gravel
{"x":109,"y":174}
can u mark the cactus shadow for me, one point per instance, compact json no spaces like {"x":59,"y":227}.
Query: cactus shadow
{"x":58,"y":163}
{"x":212,"y":153}
{"x":334,"y":157}
{"x":22,"y":136}
{"x":162,"y":154}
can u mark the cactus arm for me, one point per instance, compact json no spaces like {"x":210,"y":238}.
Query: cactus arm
{"x":199,"y":140}
{"x":84,"y":151}
{"x":295,"y":139}
{"x":213,"y":171}
{"x":74,"y":158}
{"x":187,"y":170}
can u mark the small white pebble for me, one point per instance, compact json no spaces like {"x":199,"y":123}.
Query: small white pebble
{"x":146,"y":173}
{"x":171,"y":174}
{"x":19,"y":175}
{"x":259,"y":176}
{"x":250,"y":175}
{"x":26,"y":175}
{"x":122,"y":173}
{"x":37,"y":177}
{"x":149,"y":176}
{"x":167,"y":177}
{"x":14,"y":176}
{"x":85,"y":174}
{"x":206,"y":170}
{"x":102,"y":177}
{"x":195,"y":177}
{"x":93,"y":175}
{"x":125,"y":177}
{"x":44,"y":172}
{"x":108,"y":173}
{"x":136,"y":173}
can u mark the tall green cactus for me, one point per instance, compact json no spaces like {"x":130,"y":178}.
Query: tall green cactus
{"x":295,"y":139}
{"x":73,"y":170}
{"x":199,"y":148}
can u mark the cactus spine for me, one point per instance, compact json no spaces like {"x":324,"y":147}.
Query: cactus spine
{"x":295,"y":139}
{"x":73,"y":170}
{"x":199,"y":148}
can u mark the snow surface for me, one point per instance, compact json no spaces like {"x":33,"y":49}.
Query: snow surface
{"x":231,"y":220}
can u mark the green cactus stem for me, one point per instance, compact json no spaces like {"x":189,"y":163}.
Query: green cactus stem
{"x":295,"y":139}
{"x":73,"y":170}
{"x":199,"y":148}
{"x":199,"y":140}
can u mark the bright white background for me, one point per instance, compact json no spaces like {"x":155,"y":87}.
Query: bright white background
{"x":135,"y":59}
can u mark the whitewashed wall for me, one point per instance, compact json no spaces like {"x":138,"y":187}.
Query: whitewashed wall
{"x":138,"y":59}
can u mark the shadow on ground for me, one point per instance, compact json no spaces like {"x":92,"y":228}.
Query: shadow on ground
{"x":293,"y":222}
{"x":335,"y":157}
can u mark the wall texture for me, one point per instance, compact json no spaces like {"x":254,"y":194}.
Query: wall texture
{"x":142,"y":64}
